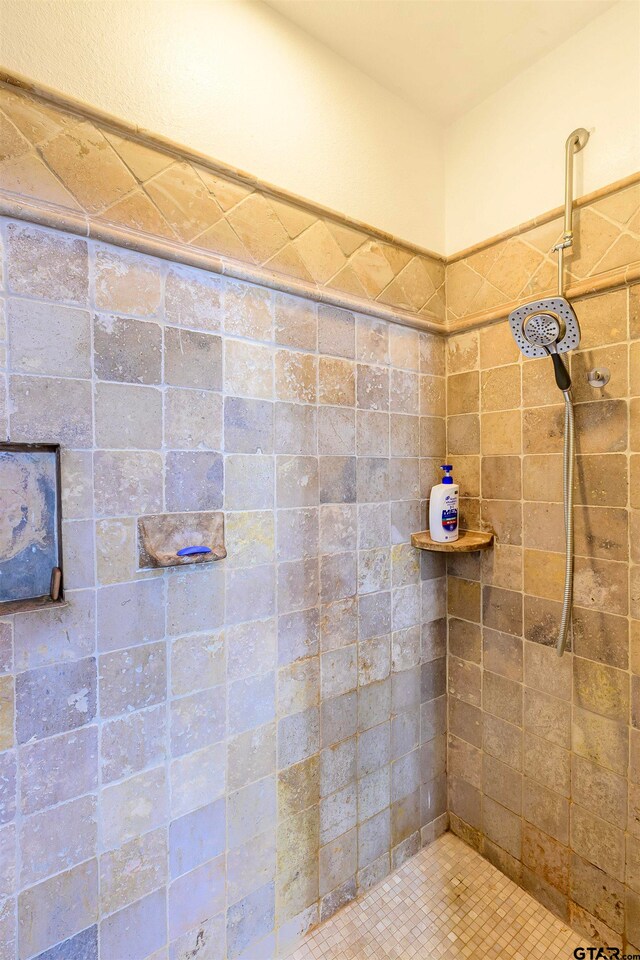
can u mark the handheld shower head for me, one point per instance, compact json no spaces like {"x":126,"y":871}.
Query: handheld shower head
{"x":543,"y":330}
{"x":547,"y":328}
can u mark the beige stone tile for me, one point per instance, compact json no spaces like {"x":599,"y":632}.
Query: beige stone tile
{"x":501,"y":432}
{"x":432,"y":354}
{"x":336,"y":381}
{"x":404,"y":347}
{"x":116,"y":555}
{"x":192,"y":419}
{"x":502,"y":827}
{"x":602,"y":636}
{"x":602,"y":426}
{"x":542,"y":477}
{"x":596,"y":236}
{"x":462,"y":352}
{"x":602,"y":532}
{"x":463,"y":599}
{"x":372,"y":268}
{"x":601,"y":689}
{"x":501,"y":654}
{"x":465,"y":721}
{"x":543,"y":429}
{"x":58,"y":907}
{"x":7,"y":710}
{"x":501,"y":478}
{"x":321,"y":254}
{"x":127,"y":350}
{"x":538,"y":384}
{"x":50,"y":407}
{"x":602,"y":481}
{"x":465,"y":680}
{"x":500,"y":388}
{"x":463,"y":434}
{"x":598,"y":842}
{"x":602,"y":585}
{"x":248,"y":310}
{"x":138,"y":212}
{"x":497,"y":346}
{"x":296,"y":321}
{"x":28,"y":176}
{"x":296,"y":376}
{"x":548,"y":764}
{"x":193,"y":298}
{"x":180,"y":195}
{"x":634,"y":424}
{"x":49,"y":339}
{"x":465,"y":640}
{"x":601,"y":740}
{"x":597,"y":892}
{"x":12,"y":144}
{"x":192,"y":359}
{"x":544,"y":672}
{"x":543,"y":526}
{"x":502,"y":609}
{"x":544,"y":574}
{"x":45,"y":264}
{"x":512,"y":269}
{"x":546,"y":810}
{"x":465,"y":762}
{"x":504,"y":518}
{"x":502,"y":783}
{"x":603,"y":319}
{"x":133,"y":870}
{"x":502,"y":697}
{"x":463,"y":393}
{"x":599,"y":791}
{"x":616,"y":358}
{"x":546,"y":857}
{"x":503,"y":740}
{"x":589,"y":926}
{"x":547,"y":717}
{"x":248,"y":369}
{"x":634,"y":355}
{"x":128,"y":416}
{"x":143,"y":161}
{"x":88,"y":166}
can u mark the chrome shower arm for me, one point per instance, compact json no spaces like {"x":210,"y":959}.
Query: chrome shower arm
{"x":574,"y":143}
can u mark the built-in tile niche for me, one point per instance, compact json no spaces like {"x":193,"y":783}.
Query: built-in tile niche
{"x":163,"y":538}
{"x":30,"y":527}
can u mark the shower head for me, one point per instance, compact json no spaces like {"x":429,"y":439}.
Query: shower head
{"x":541,"y":324}
{"x":545,"y":328}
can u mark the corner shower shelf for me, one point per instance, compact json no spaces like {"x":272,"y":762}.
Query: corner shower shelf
{"x":469,"y":541}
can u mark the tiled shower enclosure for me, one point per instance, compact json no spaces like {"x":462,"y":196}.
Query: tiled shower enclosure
{"x":234,"y":749}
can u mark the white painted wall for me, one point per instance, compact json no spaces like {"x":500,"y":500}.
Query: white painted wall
{"x":238,"y":81}
{"x":243,"y":84}
{"x":504,"y":159}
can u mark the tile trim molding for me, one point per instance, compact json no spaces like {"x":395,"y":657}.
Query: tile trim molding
{"x":292,"y":244}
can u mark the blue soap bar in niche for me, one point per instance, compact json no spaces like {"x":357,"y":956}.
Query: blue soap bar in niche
{"x":190,"y":551}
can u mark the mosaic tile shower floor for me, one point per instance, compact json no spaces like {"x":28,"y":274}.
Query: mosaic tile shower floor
{"x":446,"y":902}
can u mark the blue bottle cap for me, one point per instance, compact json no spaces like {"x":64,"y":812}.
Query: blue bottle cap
{"x":447,"y":467}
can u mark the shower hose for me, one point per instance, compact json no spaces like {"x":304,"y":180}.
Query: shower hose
{"x":567,"y":490}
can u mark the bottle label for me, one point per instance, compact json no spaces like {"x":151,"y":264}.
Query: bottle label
{"x":449,"y":520}
{"x":450,"y":515}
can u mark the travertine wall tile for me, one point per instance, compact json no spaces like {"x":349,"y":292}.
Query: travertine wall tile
{"x":565,"y":723}
{"x":303,"y":677}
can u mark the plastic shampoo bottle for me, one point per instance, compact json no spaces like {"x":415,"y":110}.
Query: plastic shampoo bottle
{"x":443,"y":508}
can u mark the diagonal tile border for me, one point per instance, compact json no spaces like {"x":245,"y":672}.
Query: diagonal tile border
{"x":67,"y":165}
